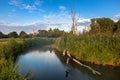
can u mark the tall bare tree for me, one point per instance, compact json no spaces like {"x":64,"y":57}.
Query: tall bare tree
{"x":74,"y":18}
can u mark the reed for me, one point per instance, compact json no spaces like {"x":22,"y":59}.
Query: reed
{"x":98,"y":49}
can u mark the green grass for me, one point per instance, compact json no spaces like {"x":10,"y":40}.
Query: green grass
{"x":8,"y":71}
{"x":10,"y":48}
{"x":98,"y":49}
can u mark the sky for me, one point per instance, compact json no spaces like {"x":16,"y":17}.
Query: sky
{"x":32,"y":15}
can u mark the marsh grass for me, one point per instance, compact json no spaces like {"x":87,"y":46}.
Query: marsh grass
{"x":98,"y":49}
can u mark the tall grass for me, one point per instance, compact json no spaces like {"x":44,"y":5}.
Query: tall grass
{"x":8,"y":71}
{"x":98,"y":49}
{"x":9,"y":49}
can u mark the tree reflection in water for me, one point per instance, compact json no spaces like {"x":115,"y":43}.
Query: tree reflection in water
{"x":67,"y":67}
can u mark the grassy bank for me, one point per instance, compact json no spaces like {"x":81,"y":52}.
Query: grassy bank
{"x":10,"y":48}
{"x":98,"y":49}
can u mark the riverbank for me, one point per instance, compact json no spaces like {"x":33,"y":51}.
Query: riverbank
{"x":10,"y":48}
{"x":97,"y":49}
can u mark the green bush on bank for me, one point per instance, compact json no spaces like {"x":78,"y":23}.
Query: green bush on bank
{"x":98,"y":49}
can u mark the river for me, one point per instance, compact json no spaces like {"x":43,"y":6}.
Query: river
{"x":46,"y":63}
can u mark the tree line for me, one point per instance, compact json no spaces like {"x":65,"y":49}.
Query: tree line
{"x":14,"y":34}
{"x":41,"y":33}
{"x":98,"y":26}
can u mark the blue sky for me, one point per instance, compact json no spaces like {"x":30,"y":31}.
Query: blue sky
{"x":23,"y":14}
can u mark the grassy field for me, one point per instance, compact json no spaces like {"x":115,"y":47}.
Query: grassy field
{"x":98,"y":49}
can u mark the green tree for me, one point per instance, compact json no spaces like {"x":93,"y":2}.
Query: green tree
{"x":42,"y":33}
{"x":55,"y":32}
{"x":102,"y":25}
{"x":118,"y":24}
{"x":23,"y":34}
{"x":95,"y":27}
{"x":50,"y":32}
{"x":13,"y":34}
{"x":116,"y":28}
{"x":106,"y":24}
{"x":2,"y":35}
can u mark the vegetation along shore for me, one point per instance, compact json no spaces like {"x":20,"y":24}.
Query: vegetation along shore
{"x":100,"y":45}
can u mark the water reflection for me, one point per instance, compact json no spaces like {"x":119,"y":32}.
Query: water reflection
{"x":47,"y":63}
{"x":67,"y":69}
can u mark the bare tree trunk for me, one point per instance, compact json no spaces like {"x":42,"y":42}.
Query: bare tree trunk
{"x":74,"y":21}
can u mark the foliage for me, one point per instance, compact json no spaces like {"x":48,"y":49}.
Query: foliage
{"x":13,"y":34}
{"x":104,"y":25}
{"x":23,"y":34}
{"x":53,"y":33}
{"x":2,"y":35}
{"x":42,"y":33}
{"x":117,"y":28}
{"x":15,"y":46}
{"x":50,"y":33}
{"x":99,"y":49}
{"x":95,"y":27}
{"x":118,"y":24}
{"x":8,"y":71}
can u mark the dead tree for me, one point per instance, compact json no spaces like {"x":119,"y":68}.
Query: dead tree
{"x":74,"y":18}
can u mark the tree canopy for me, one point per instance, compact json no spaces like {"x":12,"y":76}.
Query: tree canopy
{"x":102,"y":24}
{"x":118,"y":24}
{"x":50,"y":33}
{"x":2,"y":35}
{"x":23,"y":34}
{"x":13,"y":34}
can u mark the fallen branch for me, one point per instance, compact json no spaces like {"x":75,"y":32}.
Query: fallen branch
{"x":75,"y":60}
{"x":94,"y":71}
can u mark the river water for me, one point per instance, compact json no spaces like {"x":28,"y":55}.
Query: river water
{"x":46,"y":63}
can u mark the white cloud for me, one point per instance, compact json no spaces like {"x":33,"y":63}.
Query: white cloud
{"x":60,"y":20}
{"x":7,"y":27}
{"x":29,"y":7}
{"x":38,"y":2}
{"x":7,"y":23}
{"x":52,"y":20}
{"x":62,"y":17}
{"x":62,"y":8}
{"x":63,"y":21}
{"x":84,"y":22}
{"x":14,"y":2}
{"x":117,"y":17}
